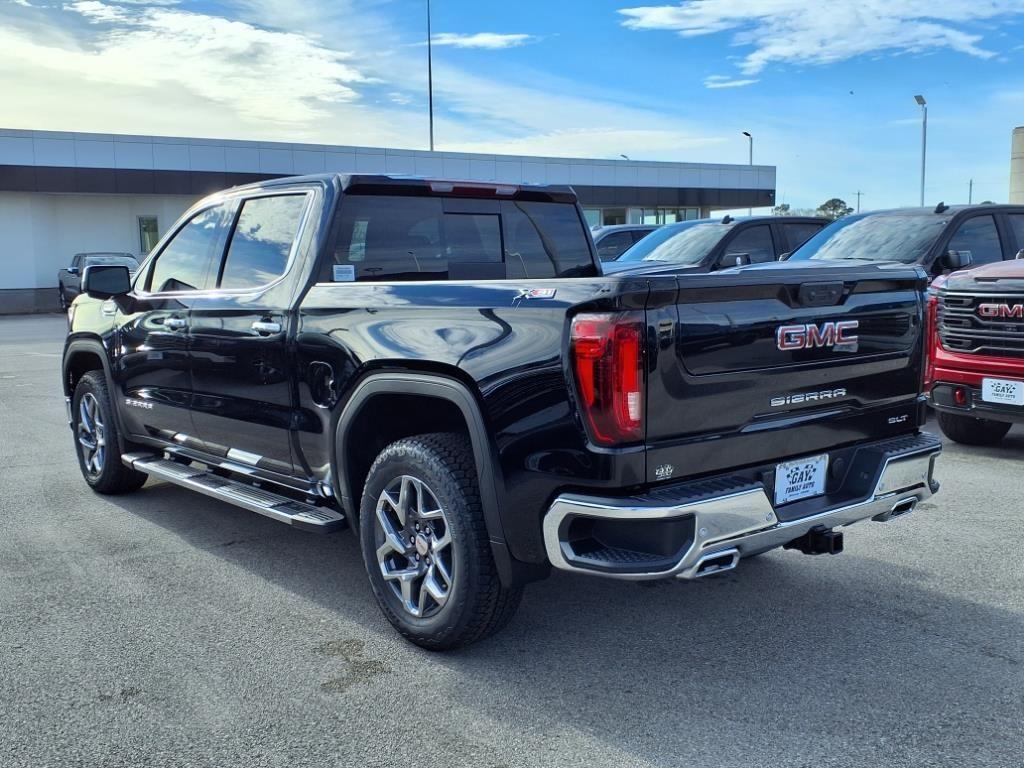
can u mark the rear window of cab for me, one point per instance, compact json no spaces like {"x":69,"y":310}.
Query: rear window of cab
{"x":402,"y":238}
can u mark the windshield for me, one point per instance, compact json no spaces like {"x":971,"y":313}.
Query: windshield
{"x":904,"y":237}
{"x":125,"y":260}
{"x":685,"y":243}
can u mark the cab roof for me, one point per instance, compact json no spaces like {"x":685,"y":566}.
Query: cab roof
{"x":383,"y":184}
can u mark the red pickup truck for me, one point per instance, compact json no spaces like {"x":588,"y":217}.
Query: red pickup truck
{"x":975,"y":371}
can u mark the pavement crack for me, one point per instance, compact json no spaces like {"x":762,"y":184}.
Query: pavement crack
{"x":360,"y":669}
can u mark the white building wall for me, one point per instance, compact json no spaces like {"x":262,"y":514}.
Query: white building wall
{"x":39,"y":233}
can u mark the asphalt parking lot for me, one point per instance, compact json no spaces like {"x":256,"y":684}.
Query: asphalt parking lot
{"x":165,"y":628}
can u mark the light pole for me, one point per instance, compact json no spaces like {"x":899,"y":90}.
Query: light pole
{"x":430,"y":78}
{"x":924,"y":138}
{"x":750,"y":141}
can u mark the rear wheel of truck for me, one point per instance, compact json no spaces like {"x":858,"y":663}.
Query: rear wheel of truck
{"x":96,"y":439}
{"x":425,"y":544}
{"x":971,"y":431}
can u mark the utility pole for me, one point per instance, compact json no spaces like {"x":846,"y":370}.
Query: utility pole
{"x":430,"y":77}
{"x":970,"y":191}
{"x":924,"y":139}
{"x":858,"y":193}
{"x":750,"y":139}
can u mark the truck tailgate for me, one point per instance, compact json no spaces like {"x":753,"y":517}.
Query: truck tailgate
{"x":771,"y":362}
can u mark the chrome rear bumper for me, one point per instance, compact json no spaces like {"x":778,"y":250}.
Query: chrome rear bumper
{"x":735,"y":522}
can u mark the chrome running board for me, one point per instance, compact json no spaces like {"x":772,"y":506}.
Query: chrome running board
{"x":259,"y":500}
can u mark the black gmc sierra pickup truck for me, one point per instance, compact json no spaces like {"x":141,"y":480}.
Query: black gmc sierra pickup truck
{"x":442,"y":367}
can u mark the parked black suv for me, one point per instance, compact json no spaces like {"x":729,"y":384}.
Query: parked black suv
{"x":441,"y":367}
{"x":706,"y":245}
{"x":940,"y":239}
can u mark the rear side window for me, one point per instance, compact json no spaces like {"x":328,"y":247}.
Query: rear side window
{"x":185,"y":262}
{"x":1017,"y":224}
{"x":612,"y":246}
{"x":545,"y":240}
{"x":798,"y":234}
{"x":756,"y":242}
{"x":979,"y":237}
{"x":396,"y":238}
{"x":262,"y":240}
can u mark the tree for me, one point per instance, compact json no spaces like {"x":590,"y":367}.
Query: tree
{"x":834,"y":209}
{"x":781,"y":210}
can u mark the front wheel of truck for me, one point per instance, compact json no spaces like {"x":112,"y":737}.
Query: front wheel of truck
{"x":971,"y":431}
{"x":96,"y":438}
{"x":426,"y":547}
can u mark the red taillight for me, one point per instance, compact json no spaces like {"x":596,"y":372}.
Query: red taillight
{"x":607,"y":357}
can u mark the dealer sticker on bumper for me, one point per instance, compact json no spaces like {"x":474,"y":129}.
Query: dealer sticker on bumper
{"x":800,"y":479}
{"x":1003,"y":391}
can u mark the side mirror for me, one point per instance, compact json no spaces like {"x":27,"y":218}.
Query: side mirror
{"x":1020,"y":254}
{"x":106,"y":281}
{"x":784,"y":256}
{"x":72,"y":270}
{"x":734,"y":260}
{"x":954,"y":260}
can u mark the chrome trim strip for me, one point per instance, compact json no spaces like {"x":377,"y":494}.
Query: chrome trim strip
{"x":244,"y":456}
{"x":744,"y":521}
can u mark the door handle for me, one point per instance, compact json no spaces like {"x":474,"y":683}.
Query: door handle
{"x":175,"y":323}
{"x":266,"y":326}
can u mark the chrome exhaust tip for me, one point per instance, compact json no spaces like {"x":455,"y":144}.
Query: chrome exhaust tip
{"x":899,"y":509}
{"x":714,"y":562}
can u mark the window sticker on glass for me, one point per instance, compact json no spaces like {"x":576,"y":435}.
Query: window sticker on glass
{"x":344,"y":273}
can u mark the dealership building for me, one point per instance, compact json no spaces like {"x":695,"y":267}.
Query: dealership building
{"x":64,"y":193}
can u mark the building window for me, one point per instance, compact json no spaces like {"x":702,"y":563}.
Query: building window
{"x":593,"y":217}
{"x":659,"y":216}
{"x":149,"y":234}
{"x":613,"y":216}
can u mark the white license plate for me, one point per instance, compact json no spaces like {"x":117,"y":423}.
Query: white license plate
{"x":800,"y":479}
{"x":1002,"y":391}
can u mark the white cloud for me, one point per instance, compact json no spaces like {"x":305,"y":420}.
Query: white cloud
{"x":609,"y":142}
{"x":489,"y":40}
{"x":798,"y":32}
{"x":254,"y":71}
{"x":323,"y":71}
{"x":724,"y":81}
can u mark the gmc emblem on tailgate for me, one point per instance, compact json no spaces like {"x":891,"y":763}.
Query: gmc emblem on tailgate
{"x":1001,"y":310}
{"x":830,"y":334}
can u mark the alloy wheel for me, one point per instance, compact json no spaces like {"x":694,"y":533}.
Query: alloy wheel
{"x":414,"y":546}
{"x":92,"y":434}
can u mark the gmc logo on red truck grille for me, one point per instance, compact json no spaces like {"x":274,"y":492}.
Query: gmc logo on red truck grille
{"x":809,"y":336}
{"x":1001,"y":310}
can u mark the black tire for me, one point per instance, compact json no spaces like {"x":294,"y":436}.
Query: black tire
{"x":63,"y":300}
{"x":971,"y":431}
{"x":477,"y":604}
{"x":111,"y":476}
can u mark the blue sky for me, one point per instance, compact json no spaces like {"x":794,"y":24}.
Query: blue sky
{"x":826,"y":89}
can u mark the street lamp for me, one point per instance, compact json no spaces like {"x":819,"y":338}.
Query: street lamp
{"x":924,"y":138}
{"x":430,"y":78}
{"x":750,"y":140}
